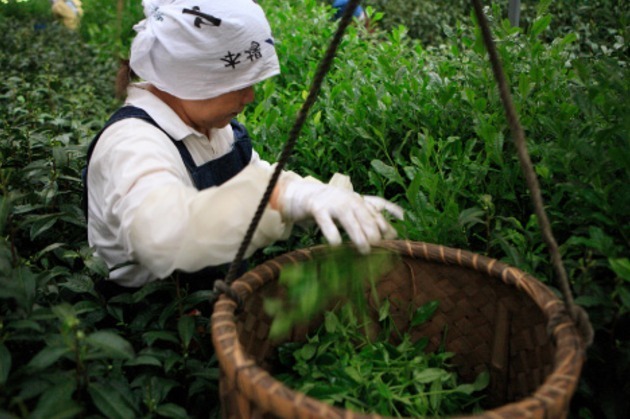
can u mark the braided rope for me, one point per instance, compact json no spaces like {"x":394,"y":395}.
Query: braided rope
{"x":577,"y":313}
{"x":316,"y":85}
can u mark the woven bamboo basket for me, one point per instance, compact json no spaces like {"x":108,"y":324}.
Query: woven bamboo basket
{"x":499,"y":319}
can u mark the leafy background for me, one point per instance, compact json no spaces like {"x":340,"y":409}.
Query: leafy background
{"x":410,"y":111}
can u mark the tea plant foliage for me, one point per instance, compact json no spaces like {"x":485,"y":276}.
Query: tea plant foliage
{"x":312,"y":286}
{"x":385,"y":373}
{"x":64,"y":351}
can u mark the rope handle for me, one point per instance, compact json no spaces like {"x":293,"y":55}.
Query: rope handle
{"x":577,"y":313}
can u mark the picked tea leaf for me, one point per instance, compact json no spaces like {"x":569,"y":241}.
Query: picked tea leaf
{"x":340,"y":365}
{"x":424,"y":313}
{"x":313,"y":285}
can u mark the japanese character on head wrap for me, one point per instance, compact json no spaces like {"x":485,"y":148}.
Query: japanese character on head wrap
{"x":201,"y":49}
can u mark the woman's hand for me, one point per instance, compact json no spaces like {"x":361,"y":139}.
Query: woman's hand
{"x":360,"y":216}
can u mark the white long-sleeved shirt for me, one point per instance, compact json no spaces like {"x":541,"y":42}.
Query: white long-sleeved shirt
{"x":143,"y":206}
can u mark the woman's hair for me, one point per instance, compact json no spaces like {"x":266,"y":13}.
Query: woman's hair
{"x":124,"y":78}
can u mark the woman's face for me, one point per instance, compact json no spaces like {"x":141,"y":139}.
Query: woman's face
{"x":203,"y":115}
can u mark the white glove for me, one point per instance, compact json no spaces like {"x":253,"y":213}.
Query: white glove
{"x":360,"y":216}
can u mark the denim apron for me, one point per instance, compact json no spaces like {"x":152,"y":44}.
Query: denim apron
{"x":212,"y":173}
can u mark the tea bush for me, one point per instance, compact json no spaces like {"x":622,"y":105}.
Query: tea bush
{"x":26,"y":9}
{"x":424,"y":20}
{"x":111,"y":27}
{"x":601,"y":25}
{"x":64,"y":352}
{"x":415,"y":120}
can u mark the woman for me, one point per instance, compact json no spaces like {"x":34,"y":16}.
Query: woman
{"x":69,"y":12}
{"x":173,"y":181}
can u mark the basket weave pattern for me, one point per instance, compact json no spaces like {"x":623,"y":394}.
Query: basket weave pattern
{"x":492,"y":316}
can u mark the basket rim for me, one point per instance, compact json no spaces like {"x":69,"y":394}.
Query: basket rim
{"x":553,"y":394}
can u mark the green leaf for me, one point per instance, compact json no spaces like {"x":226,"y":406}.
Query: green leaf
{"x":211,"y":374}
{"x":384,"y":391}
{"x":50,"y":248}
{"x":24,"y":284}
{"x":171,"y":410}
{"x":151,"y":337}
{"x":97,"y":266}
{"x":79,"y":284}
{"x":540,"y":25}
{"x":111,"y":344}
{"x":621,"y":268}
{"x":354,"y":374}
{"x":144,"y":360}
{"x":41,"y":226}
{"x":383,"y":311}
{"x":24,"y":325}
{"x":435,"y":398}
{"x":327,"y":391}
{"x":597,"y":239}
{"x":471,"y":216}
{"x":482,"y":381}
{"x":56,"y":402}
{"x":429,"y":375}
{"x":424,"y":313}
{"x":317,"y":117}
{"x":5,"y":364}
{"x":388,"y":172}
{"x":110,"y":402}
{"x":315,"y":284}
{"x":331,"y":322}
{"x":421,"y":344}
{"x":307,"y":352}
{"x":172,"y":360}
{"x":66,"y":313}
{"x":88,"y":307}
{"x":47,"y":356}
{"x":569,"y":39}
{"x":465,"y":388}
{"x":186,"y":329}
{"x":149,"y":289}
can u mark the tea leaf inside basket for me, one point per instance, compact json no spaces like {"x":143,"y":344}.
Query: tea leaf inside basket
{"x":339,"y":273}
{"x":340,"y":365}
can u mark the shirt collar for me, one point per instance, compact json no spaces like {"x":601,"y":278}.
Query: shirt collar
{"x":167,"y":118}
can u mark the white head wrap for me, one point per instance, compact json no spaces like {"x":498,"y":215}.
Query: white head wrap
{"x":200,"y":49}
